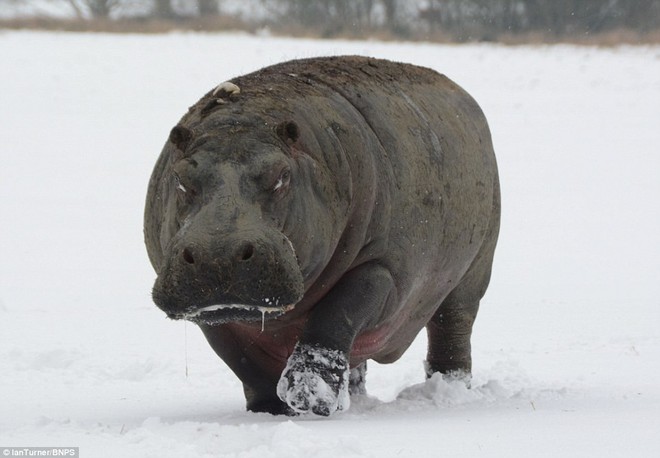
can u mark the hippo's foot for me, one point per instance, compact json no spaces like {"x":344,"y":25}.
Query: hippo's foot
{"x":315,"y":379}
{"x":357,"y":380}
{"x":271,"y":406}
{"x":450,"y":375}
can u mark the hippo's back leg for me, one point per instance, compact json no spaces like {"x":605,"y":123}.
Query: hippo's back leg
{"x":357,"y":379}
{"x":449,"y":332}
{"x":450,"y":328}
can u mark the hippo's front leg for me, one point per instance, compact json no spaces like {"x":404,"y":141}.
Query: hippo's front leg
{"x":315,"y":379}
{"x":317,"y":374}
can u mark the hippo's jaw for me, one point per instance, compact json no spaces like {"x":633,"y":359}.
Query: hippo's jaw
{"x":213,"y":277}
{"x":202,"y":297}
{"x":227,"y":313}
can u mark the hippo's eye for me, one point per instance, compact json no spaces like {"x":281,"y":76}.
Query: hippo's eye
{"x":178,"y":184}
{"x":283,"y":181}
{"x":184,"y":191}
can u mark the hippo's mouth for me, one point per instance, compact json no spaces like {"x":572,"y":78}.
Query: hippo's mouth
{"x":226,"y":313}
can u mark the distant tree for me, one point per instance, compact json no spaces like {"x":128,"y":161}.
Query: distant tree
{"x":208,"y":7}
{"x":391,"y":9}
{"x":332,"y":16}
{"x":94,"y":8}
{"x":163,"y":9}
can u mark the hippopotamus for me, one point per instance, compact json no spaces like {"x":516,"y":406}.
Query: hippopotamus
{"x":319,"y":213}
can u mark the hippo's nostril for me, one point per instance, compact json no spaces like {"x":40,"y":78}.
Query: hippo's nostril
{"x":246,"y":252}
{"x":187,"y":256}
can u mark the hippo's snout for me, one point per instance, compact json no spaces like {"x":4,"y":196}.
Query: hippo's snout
{"x":238,"y":277}
{"x":243,"y":254}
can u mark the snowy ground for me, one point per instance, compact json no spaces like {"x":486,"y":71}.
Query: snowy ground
{"x":566,"y":347}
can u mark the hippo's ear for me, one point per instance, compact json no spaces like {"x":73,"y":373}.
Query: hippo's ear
{"x":288,"y":132}
{"x":180,"y":136}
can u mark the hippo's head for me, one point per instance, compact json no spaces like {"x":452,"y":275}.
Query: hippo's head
{"x":218,"y":212}
{"x":237,"y":221}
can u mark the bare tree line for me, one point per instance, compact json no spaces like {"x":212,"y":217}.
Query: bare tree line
{"x":474,"y":18}
{"x":162,"y":9}
{"x":550,"y":16}
{"x":463,"y":19}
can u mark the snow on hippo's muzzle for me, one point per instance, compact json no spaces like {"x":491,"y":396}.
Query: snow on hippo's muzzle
{"x":221,"y":278}
{"x":221,"y":313}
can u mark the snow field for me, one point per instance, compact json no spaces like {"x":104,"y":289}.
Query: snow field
{"x":566,"y":347}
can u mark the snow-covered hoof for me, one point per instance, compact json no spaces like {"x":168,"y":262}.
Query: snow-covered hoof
{"x":315,"y":380}
{"x":457,"y":375}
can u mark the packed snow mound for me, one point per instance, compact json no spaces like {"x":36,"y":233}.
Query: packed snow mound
{"x":444,"y":392}
{"x":506,"y":386}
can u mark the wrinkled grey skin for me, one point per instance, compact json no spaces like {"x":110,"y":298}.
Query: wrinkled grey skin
{"x":356,"y":198}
